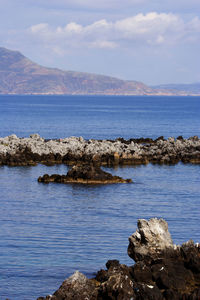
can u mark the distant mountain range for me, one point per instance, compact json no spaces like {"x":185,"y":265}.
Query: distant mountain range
{"x":193,"y":88}
{"x":19,"y":75}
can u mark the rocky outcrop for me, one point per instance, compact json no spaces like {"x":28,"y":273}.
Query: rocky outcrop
{"x":162,"y":271}
{"x":86,"y":173}
{"x":150,"y":240}
{"x":77,"y":287}
{"x":113,"y":283}
{"x":30,"y":151}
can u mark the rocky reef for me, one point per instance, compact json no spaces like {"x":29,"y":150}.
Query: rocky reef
{"x":163,"y":271}
{"x":85,"y":173}
{"x":16,"y":151}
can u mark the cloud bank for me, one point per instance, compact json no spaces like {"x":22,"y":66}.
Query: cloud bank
{"x":151,"y":29}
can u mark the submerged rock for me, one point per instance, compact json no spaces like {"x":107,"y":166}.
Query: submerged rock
{"x":163,"y":271}
{"x":86,"y":173}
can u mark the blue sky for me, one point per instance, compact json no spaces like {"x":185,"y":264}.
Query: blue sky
{"x":145,"y":40}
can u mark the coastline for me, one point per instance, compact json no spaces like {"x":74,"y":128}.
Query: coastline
{"x":158,"y":94}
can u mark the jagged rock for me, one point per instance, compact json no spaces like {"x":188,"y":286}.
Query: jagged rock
{"x":151,"y":238}
{"x":76,"y":287}
{"x":86,"y":173}
{"x":117,"y":282}
{"x":25,"y":151}
{"x":163,"y":270}
{"x":170,"y":273}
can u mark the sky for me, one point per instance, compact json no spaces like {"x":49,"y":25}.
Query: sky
{"x":153,"y":41}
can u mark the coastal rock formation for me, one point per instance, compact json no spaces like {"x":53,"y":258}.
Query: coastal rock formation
{"x":162,"y":271}
{"x":151,"y":239}
{"x":86,"y":173}
{"x":77,"y":286}
{"x":16,"y":151}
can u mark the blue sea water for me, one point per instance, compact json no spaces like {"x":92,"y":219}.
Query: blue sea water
{"x":49,"y":231}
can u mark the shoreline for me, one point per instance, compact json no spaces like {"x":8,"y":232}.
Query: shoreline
{"x":109,"y":95}
{"x":16,"y":151}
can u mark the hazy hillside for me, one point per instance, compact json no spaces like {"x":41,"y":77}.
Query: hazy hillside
{"x":187,"y":88}
{"x":19,"y":75}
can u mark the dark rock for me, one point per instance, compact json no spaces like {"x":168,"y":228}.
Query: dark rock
{"x":180,"y":138}
{"x":118,"y":286}
{"x":102,"y":276}
{"x":76,"y":287}
{"x":147,"y":292}
{"x":160,"y":138}
{"x":174,"y":270}
{"x":142,"y":273}
{"x":167,"y":272}
{"x":117,"y":282}
{"x":114,"y":263}
{"x":86,"y":173}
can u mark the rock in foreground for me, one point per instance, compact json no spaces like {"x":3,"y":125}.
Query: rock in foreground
{"x":170,"y":273}
{"x":86,"y":173}
{"x":151,"y":239}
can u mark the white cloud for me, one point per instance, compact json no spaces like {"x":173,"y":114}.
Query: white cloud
{"x":40,"y":28}
{"x":194,"y":25}
{"x":73,"y":28}
{"x":150,"y":29}
{"x":58,"y":51}
{"x":103,"y":44}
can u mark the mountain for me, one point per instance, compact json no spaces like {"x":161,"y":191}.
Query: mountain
{"x":193,"y":88}
{"x":19,"y":75}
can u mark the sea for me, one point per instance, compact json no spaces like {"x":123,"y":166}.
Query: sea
{"x":48,"y":231}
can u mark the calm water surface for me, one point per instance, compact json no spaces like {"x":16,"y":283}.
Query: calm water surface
{"x":99,"y":117}
{"x":49,"y":231}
